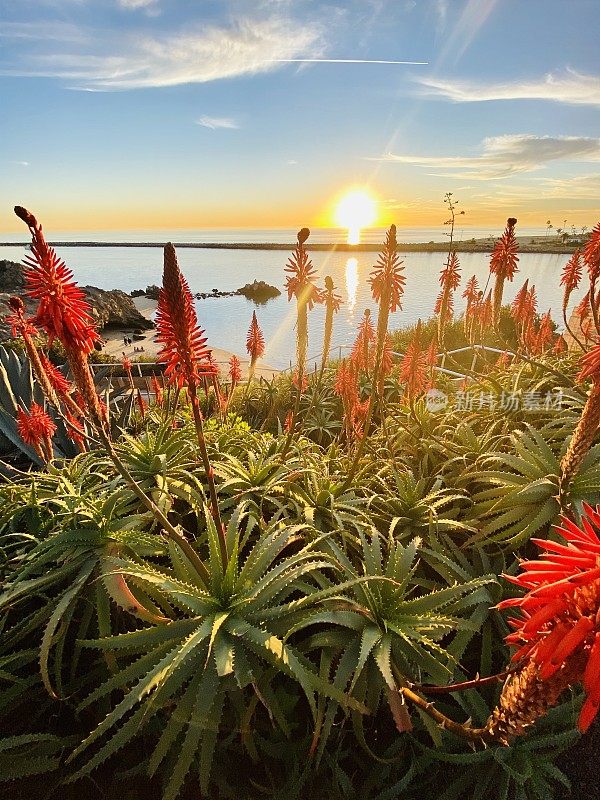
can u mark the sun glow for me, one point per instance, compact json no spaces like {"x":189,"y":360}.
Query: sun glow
{"x":355,"y":210}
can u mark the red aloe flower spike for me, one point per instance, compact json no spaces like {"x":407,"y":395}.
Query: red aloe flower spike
{"x":255,"y":343}
{"x":386,"y":275}
{"x":36,"y":429}
{"x":560,"y":346}
{"x":545,"y":333}
{"x":503,"y":264}
{"x":61,"y":384}
{"x":141,"y":403}
{"x":558,"y":630}
{"x":156,"y":390}
{"x":471,"y":295}
{"x":187,"y":358}
{"x":235,"y":371}
{"x":413,"y":367}
{"x":571,"y":276}
{"x":332,"y":306}
{"x":363,"y":351}
{"x":591,"y":254}
{"x":63,"y":311}
{"x":444,"y":306}
{"x":300,"y":281}
{"x":520,"y":308}
{"x":183,"y":341}
{"x":346,"y":387}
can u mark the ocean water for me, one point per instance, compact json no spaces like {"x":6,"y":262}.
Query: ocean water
{"x":226,"y":320}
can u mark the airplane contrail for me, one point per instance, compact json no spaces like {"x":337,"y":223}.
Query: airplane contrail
{"x":342,"y":61}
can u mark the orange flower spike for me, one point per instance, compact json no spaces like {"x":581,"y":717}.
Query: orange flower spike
{"x":235,"y":370}
{"x":591,"y":254}
{"x":571,"y":276}
{"x":413,"y":368}
{"x":36,"y":428}
{"x":363,"y":349}
{"x":255,"y":341}
{"x":300,"y":281}
{"x":63,"y":312}
{"x":563,"y":592}
{"x":183,"y":341}
{"x":503,"y":264}
{"x":157,"y":390}
{"x":387,"y":274}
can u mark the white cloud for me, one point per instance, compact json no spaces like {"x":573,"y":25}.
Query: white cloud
{"x":503,"y":156}
{"x":20,"y":163}
{"x":292,"y":162}
{"x":134,"y":4}
{"x":246,"y":47}
{"x":217,"y":122}
{"x":569,"y":86}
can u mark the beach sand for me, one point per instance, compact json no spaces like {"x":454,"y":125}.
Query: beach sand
{"x":118,"y":349}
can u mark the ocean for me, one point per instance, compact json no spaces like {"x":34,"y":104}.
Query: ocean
{"x":226,"y":319}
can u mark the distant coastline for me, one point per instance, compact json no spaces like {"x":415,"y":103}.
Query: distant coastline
{"x":527,"y":244}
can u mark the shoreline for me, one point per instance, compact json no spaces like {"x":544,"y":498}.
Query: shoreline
{"x":526,"y":245}
{"x":116,"y":347}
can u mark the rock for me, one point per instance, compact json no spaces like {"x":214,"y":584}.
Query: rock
{"x":137,"y":293}
{"x":11,"y":277}
{"x":152,"y":292}
{"x":116,"y":309}
{"x":259,"y":291}
{"x":109,"y":308}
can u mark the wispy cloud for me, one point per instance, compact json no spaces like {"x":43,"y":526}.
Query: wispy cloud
{"x":503,"y":156}
{"x":135,"y":4}
{"x":217,"y":122}
{"x":109,"y":63}
{"x":469,"y":22}
{"x":569,"y":86}
{"x":20,"y":163}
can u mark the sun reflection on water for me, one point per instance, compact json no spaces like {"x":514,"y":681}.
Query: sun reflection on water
{"x":351,"y":282}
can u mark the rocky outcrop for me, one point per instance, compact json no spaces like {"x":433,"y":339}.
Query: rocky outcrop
{"x":110,"y":308}
{"x":259,"y":291}
{"x":116,"y":309}
{"x":11,"y":277}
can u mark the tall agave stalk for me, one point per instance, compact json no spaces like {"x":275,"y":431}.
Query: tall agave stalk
{"x":187,"y":358}
{"x":503,"y":264}
{"x":587,"y":427}
{"x":332,"y":306}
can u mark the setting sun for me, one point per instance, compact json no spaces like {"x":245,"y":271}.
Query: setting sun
{"x":355,"y":210}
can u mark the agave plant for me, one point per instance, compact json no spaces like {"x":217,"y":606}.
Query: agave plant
{"x":220,"y":649}
{"x":387,"y":631}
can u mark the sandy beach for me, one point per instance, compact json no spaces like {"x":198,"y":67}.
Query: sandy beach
{"x":149,"y":347}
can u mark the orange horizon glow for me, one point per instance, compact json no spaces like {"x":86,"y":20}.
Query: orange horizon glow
{"x":404,"y":215}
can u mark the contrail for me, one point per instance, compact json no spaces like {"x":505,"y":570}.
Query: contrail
{"x":342,"y":61}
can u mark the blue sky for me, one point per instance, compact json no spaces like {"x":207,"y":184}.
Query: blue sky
{"x":133,"y":113}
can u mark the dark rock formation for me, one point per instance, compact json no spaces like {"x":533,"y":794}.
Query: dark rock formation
{"x":152,"y":292}
{"x":11,"y":277}
{"x":114,"y":308}
{"x":259,"y":291}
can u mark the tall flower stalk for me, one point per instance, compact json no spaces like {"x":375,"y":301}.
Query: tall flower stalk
{"x":332,"y":306}
{"x":587,"y":427}
{"x":62,"y":312}
{"x":387,"y":287}
{"x":570,"y":279}
{"x":36,"y":429}
{"x":255,"y":344}
{"x":187,"y":359}
{"x":591,"y":257}
{"x":471,"y":294}
{"x":449,"y":282}
{"x":300,"y":283}
{"x":503,"y":264}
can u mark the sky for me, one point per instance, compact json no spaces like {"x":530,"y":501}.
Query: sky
{"x":120,"y":114}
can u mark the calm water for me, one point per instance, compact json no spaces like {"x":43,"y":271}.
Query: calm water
{"x":226,"y":319}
